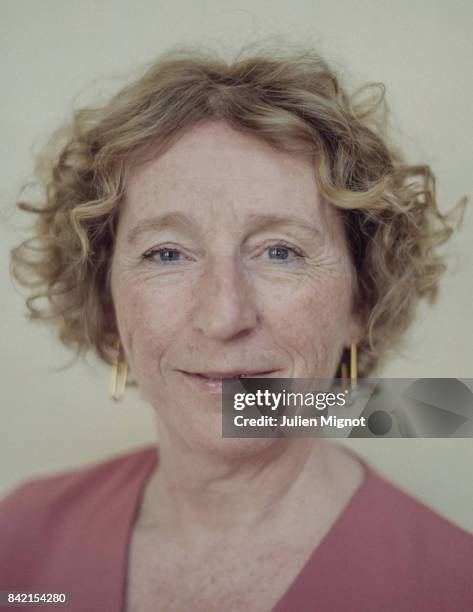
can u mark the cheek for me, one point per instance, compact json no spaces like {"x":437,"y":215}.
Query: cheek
{"x":311,"y":321}
{"x":148,"y":323}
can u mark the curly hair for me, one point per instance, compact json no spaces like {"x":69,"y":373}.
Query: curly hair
{"x":291,"y":99}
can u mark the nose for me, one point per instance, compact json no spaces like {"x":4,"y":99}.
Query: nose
{"x":225,"y":307}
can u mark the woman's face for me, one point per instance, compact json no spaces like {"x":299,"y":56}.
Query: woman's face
{"x":227,"y":260}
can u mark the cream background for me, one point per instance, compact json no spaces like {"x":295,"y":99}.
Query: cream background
{"x":55,"y":53}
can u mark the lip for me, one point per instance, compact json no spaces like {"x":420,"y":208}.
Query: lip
{"x":231,"y":374}
{"x":215,"y":386}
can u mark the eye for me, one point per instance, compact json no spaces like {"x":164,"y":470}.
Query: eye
{"x":166,"y":254}
{"x":284,"y":253}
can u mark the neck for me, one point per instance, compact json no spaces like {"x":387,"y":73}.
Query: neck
{"x":205,"y":492}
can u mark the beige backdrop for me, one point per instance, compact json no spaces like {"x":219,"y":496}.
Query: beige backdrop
{"x":55,"y":53}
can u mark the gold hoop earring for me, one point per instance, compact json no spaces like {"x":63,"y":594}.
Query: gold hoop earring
{"x":119,"y":375}
{"x":353,"y":368}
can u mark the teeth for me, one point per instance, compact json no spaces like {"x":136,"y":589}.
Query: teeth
{"x":238,"y":376}
{"x":216,"y":379}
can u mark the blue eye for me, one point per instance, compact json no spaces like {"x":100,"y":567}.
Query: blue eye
{"x":278,"y":252}
{"x":281,"y":252}
{"x":165,"y":254}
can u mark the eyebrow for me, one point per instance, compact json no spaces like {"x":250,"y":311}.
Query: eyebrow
{"x":259,"y":222}
{"x":153,"y":224}
{"x":184,"y":222}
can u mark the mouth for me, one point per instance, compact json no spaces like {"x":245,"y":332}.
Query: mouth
{"x":212,"y":381}
{"x":233,"y":374}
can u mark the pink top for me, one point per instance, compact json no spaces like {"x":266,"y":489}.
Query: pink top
{"x":386,"y":551}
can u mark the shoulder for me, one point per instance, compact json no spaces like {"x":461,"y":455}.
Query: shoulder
{"x":74,"y":486}
{"x":57,"y":511}
{"x":388,"y":551}
{"x":415,"y":546}
{"x":412,"y":524}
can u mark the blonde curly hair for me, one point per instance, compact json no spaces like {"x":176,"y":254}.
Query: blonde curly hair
{"x":290,"y":98}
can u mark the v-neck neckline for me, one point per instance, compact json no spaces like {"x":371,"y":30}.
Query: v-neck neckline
{"x":148,"y":459}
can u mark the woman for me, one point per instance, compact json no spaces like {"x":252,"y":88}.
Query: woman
{"x":217,"y":220}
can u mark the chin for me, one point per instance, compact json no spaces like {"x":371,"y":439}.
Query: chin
{"x":205,"y":436}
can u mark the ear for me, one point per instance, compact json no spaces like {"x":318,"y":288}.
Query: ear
{"x":357,"y":326}
{"x":110,"y":320}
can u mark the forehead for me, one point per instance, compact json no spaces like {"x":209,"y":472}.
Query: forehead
{"x":216,"y":166}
